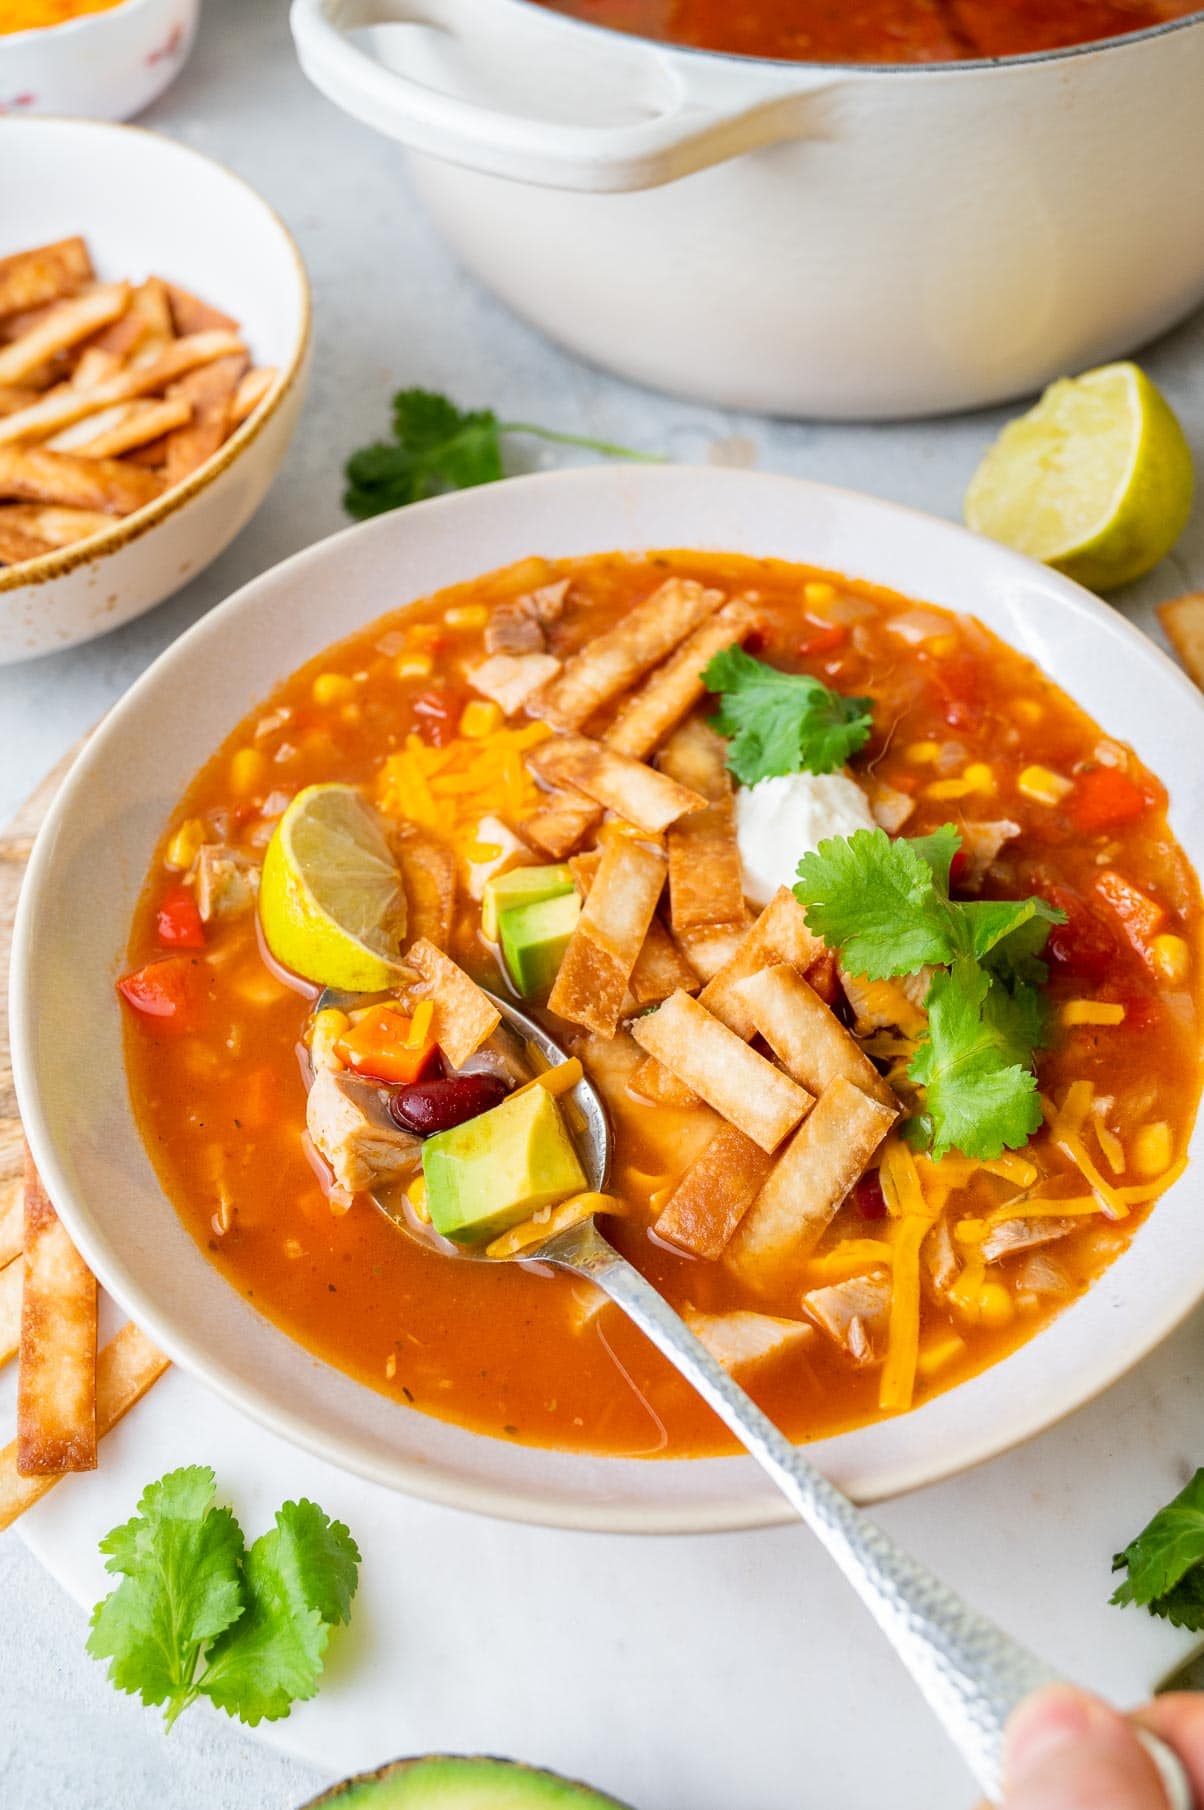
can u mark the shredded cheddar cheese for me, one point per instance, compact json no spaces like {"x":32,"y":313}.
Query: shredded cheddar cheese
{"x":899,"y":1371}
{"x":448,"y":790}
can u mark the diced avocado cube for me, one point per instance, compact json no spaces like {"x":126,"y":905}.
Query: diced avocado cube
{"x":521,"y":886}
{"x":492,"y":1171}
{"x":534,"y":939}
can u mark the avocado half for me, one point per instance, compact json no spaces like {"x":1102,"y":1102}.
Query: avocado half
{"x":448,"y":1782}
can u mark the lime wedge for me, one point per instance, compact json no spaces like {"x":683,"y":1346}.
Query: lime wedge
{"x":331,"y":900}
{"x":1096,"y":480}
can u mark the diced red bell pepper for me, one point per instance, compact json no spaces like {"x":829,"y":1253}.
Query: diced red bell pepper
{"x":178,"y":924}
{"x":167,"y":991}
{"x":823,"y":639}
{"x":1104,"y":799}
{"x":1141,"y":916}
{"x":377,"y":1046}
{"x":1085,"y":945}
{"x":868,"y":1197}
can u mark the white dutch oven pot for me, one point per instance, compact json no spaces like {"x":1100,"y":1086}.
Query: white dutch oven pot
{"x":826,"y":240}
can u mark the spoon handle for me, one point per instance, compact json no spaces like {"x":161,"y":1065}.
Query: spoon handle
{"x":972,"y":1674}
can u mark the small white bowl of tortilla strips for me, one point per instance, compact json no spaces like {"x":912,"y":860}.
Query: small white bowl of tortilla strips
{"x":154,"y":341}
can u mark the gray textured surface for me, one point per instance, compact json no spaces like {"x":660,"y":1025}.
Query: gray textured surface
{"x":391,"y":307}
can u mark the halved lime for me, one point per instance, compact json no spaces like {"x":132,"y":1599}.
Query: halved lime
{"x":331,"y":900}
{"x":1096,"y":480}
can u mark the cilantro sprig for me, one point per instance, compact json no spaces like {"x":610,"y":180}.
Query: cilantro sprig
{"x":886,"y":907}
{"x":437,"y":447}
{"x":199,"y":1614}
{"x":1165,"y":1563}
{"x":782,"y":722}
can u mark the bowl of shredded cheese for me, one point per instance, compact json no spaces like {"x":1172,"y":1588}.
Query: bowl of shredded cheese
{"x":96,"y":59}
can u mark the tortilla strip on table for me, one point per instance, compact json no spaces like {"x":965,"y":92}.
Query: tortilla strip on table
{"x":633,"y":791}
{"x":830,"y":1151}
{"x":209,"y":392}
{"x":806,"y":1037}
{"x":742,"y":1086}
{"x":613,"y":661}
{"x":146,"y":323}
{"x":61,"y":527}
{"x":125,"y":1370}
{"x":64,"y":406}
{"x":660,"y":967}
{"x":10,"y":1308}
{"x":602,"y":952}
{"x":665,"y":697}
{"x":63,"y":327}
{"x":47,"y":477}
{"x":44,"y":273}
{"x":1183,"y":621}
{"x":145,"y":421}
{"x":714,"y":1194}
{"x":780,"y":934}
{"x":510,"y":679}
{"x":56,"y":1382}
{"x":464,"y":1016}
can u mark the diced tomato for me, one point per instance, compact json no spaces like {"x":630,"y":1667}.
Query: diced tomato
{"x":1142,"y":1011}
{"x":1086,"y":944}
{"x":377,"y":1046}
{"x":959,"y":867}
{"x":956,"y":685}
{"x":167,"y":991}
{"x":1103,"y":799}
{"x":823,"y":639}
{"x":822,"y":978}
{"x":178,"y":924}
{"x":438,"y":712}
{"x":868,"y":1197}
{"x":1140,"y":916}
{"x":755,"y":642}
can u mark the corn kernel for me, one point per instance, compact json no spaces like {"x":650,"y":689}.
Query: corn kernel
{"x":333,"y":688}
{"x":922,"y":753}
{"x":948,"y":788}
{"x":391,"y":1365}
{"x":943,"y":647}
{"x":817,"y":590}
{"x":248,"y":771}
{"x":995,"y":1306}
{"x":1170,"y":958}
{"x":420,"y":1024}
{"x":934,"y":1357}
{"x":1091,"y":1011}
{"x":1027,"y":709}
{"x":416,"y":1195}
{"x":1151,"y":1150}
{"x":328,"y":1027}
{"x":466,"y":615}
{"x":188,"y":840}
{"x":481,"y":718}
{"x":412,"y":666}
{"x":1043,"y":786}
{"x":980,"y":777}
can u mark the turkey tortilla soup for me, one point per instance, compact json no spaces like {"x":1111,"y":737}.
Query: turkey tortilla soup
{"x":880,"y":952}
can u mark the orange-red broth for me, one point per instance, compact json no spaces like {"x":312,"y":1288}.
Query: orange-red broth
{"x":504,"y":1349}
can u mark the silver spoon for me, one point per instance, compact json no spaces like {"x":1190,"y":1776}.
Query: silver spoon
{"x":971,"y":1672}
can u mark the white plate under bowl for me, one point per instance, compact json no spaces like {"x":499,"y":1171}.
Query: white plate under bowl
{"x":96,"y":846}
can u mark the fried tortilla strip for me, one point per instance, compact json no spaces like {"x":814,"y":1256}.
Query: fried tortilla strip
{"x":94,"y":366}
{"x":810,"y":1179}
{"x":561,"y":825}
{"x":46,"y":273}
{"x":806,"y":1037}
{"x":652,"y":1081}
{"x":613,"y":661}
{"x":17,"y":544}
{"x":64,"y":326}
{"x":145,"y":421}
{"x":780,"y":934}
{"x":10,"y":1308}
{"x":706,"y":885}
{"x":711,"y":949}
{"x":50,"y":477}
{"x":146,"y":323}
{"x":745,"y":1089}
{"x":714,"y":1194}
{"x":1183,"y":621}
{"x":69,"y":404}
{"x":14,"y":397}
{"x":12,"y":1219}
{"x":251,"y":392}
{"x":638,"y":793}
{"x":464,"y":1016}
{"x":56,"y":1383}
{"x":428,"y":872}
{"x":60,"y":527}
{"x":660,"y":967}
{"x":125,"y":1370}
{"x":673,"y":689}
{"x":191,"y":315}
{"x":510,"y":679}
{"x":209,"y":392}
{"x":602,"y":952}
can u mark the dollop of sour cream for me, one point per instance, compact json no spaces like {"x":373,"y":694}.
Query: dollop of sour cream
{"x":780,"y":820}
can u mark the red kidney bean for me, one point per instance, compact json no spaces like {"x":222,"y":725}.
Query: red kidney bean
{"x":426,"y":1107}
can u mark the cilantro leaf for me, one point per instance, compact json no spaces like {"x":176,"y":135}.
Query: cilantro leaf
{"x":875,"y":900}
{"x":1009,"y":933}
{"x":980,"y":1094}
{"x":437,"y":447}
{"x":1165,"y":1563}
{"x":180,"y":1562}
{"x":782,"y":722}
{"x":196,"y":1614}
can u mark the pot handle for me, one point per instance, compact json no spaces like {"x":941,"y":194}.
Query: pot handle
{"x":695,"y":113}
